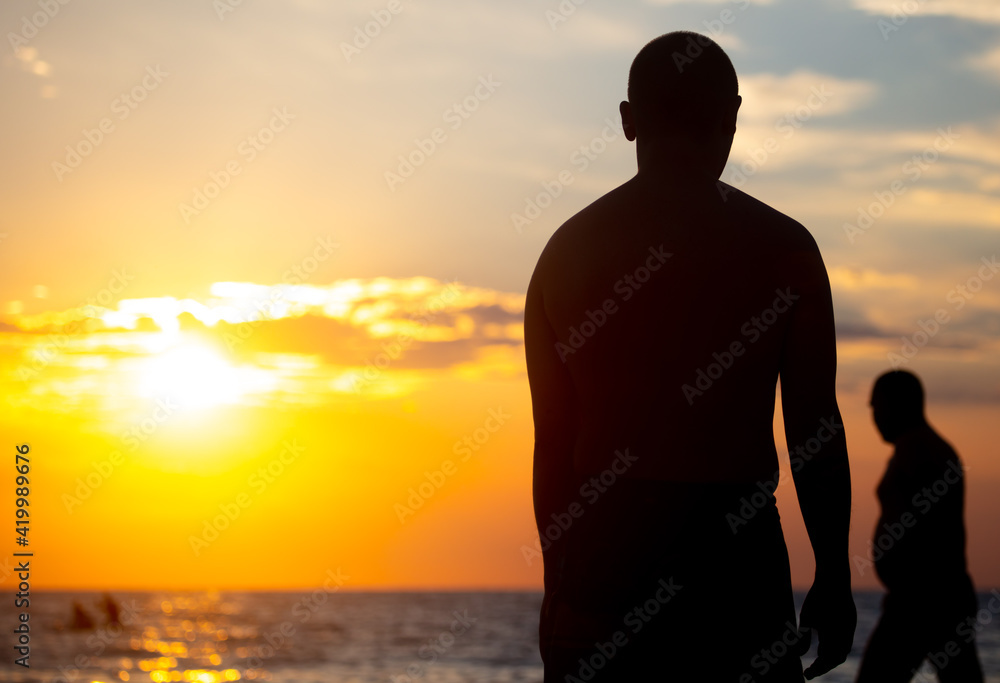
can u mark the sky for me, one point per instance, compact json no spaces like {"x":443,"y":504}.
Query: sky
{"x":263,"y":264}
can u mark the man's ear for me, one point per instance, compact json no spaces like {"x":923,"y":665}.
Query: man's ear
{"x":731,"y":119}
{"x":628,"y":121}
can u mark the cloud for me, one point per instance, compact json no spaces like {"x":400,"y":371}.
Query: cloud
{"x":940,"y":177}
{"x":800,"y":96}
{"x":867,"y":279}
{"x":974,"y":10}
{"x":857,"y":329}
{"x":27,"y":59}
{"x":987,"y":63}
{"x":290,"y":339}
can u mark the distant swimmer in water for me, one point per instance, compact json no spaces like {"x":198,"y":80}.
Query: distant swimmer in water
{"x":658,"y":322}
{"x":81,"y":621}
{"x":110,"y":608}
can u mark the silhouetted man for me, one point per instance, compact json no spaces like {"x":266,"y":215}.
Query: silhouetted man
{"x":919,"y":548}
{"x":658,"y":321}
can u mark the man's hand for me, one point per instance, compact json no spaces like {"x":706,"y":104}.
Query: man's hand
{"x":829,"y":610}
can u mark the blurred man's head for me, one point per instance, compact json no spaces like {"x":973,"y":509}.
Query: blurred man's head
{"x":897,"y":404}
{"x":682,"y":87}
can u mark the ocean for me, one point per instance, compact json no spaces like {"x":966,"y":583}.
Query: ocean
{"x":322,"y":636}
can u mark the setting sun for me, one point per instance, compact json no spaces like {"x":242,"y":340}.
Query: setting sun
{"x":196,"y":376}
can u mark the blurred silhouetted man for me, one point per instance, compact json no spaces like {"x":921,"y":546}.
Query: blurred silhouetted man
{"x":658,"y":321}
{"x":919,"y":547}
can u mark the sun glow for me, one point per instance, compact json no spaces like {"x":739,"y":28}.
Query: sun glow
{"x":196,"y":376}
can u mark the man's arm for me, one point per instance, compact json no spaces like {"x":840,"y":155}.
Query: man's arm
{"x":822,"y":479}
{"x":553,"y":409}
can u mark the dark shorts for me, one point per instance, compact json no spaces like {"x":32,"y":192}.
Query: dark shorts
{"x":668,"y":581}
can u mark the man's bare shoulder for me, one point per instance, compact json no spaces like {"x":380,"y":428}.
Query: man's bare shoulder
{"x":607,"y":209}
{"x":741,"y":220}
{"x":764,"y":217}
{"x":576,"y":232}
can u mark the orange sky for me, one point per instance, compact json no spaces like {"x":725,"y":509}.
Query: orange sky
{"x":244,"y":270}
{"x":381,"y":427}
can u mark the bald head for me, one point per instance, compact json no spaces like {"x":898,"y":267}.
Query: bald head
{"x":897,"y":404}
{"x":683,"y":82}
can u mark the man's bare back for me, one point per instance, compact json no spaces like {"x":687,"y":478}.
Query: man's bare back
{"x":670,"y":306}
